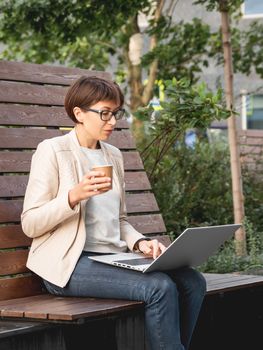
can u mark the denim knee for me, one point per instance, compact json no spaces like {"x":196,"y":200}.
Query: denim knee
{"x":199,"y":281}
{"x":196,"y":280}
{"x":161,"y":285}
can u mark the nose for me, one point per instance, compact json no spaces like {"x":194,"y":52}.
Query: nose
{"x":112,"y":121}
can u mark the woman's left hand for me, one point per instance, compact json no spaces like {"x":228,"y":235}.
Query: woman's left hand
{"x":152,"y":248}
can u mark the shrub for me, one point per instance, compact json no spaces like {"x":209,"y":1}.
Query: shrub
{"x":193,"y":188}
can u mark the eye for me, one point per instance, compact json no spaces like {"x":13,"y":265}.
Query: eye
{"x":106,"y":113}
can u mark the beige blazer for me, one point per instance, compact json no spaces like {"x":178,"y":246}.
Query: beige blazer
{"x":58,"y":231}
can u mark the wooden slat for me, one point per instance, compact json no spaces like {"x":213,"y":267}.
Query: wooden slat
{"x":122,"y":139}
{"x":11,"y":210}
{"x":19,"y":287}
{"x":19,"y":305}
{"x":95,"y":308}
{"x":250,"y":133}
{"x":20,"y":138}
{"x":12,"y":236}
{"x":39,"y":73}
{"x":228,"y":282}
{"x":252,"y":141}
{"x":253,"y":166}
{"x":62,"y":309}
{"x":148,"y":224}
{"x":132,"y":161}
{"x":164,"y":239}
{"x":257,"y":150}
{"x":141,"y":203}
{"x":13,"y":262}
{"x":251,"y":158}
{"x":57,"y":308}
{"x":32,"y":94}
{"x":137,"y":181}
{"x":15,"y":185}
{"x":13,"y":114}
{"x":15,"y":161}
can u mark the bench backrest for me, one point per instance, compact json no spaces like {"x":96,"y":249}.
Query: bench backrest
{"x":31,"y":109}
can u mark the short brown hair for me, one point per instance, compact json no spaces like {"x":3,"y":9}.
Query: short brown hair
{"x":89,"y":90}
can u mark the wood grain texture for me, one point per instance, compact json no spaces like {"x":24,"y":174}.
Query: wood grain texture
{"x":148,"y":224}
{"x":19,"y":162}
{"x":10,"y":211}
{"x":19,"y":287}
{"x":13,"y":262}
{"x":56,"y":308}
{"x":29,"y":138}
{"x":15,"y":185}
{"x":12,"y":236}
{"x":42,"y":73}
{"x":17,"y":92}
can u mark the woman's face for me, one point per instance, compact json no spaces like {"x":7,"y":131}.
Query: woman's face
{"x":92,"y":125}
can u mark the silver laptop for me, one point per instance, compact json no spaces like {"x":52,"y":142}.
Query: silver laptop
{"x":191,"y":248}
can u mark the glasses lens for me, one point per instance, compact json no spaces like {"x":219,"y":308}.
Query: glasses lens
{"x":106,"y":115}
{"x":119,"y":114}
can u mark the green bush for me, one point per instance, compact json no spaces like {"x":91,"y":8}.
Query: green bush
{"x":193,"y":188}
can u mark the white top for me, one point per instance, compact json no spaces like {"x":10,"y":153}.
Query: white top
{"x":102,"y":213}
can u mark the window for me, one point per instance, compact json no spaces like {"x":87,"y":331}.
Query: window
{"x":252,"y":8}
{"x":252,"y":112}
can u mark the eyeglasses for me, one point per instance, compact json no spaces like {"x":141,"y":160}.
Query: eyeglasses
{"x":106,"y":115}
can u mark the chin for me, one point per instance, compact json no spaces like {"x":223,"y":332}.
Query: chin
{"x":105,"y":136}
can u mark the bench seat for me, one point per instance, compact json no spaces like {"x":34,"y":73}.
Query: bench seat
{"x":59,"y":309}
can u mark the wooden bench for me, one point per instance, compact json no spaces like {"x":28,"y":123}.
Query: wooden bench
{"x":32,"y":98}
{"x":31,"y":109}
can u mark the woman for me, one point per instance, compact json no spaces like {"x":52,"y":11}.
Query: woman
{"x":71,"y":214}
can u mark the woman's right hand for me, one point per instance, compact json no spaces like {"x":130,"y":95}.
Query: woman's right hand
{"x":92,"y":184}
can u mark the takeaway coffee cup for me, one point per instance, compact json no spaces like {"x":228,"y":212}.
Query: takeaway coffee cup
{"x":107,"y":169}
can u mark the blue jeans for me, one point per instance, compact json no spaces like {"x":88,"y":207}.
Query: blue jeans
{"x":172,"y":299}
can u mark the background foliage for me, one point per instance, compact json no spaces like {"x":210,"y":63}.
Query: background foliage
{"x":94,"y":33}
{"x":193,"y":183}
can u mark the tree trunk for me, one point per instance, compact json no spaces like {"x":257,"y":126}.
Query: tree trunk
{"x":148,"y":90}
{"x":237,"y":190}
{"x":140,"y":95}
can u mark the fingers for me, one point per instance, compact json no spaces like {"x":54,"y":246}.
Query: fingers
{"x":156,"y":248}
{"x":95,"y":182}
{"x":152,"y":248}
{"x":94,"y":173}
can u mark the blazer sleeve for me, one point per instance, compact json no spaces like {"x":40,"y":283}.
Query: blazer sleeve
{"x":45,"y":207}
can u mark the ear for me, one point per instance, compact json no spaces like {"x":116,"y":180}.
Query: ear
{"x":78,"y":114}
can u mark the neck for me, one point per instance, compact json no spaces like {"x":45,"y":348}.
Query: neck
{"x":84,"y":140}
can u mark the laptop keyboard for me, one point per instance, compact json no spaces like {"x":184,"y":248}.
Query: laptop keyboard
{"x":134,"y":262}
